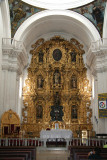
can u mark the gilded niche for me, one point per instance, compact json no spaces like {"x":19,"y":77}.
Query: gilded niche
{"x":57,"y":88}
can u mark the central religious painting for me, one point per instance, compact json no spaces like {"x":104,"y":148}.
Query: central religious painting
{"x":57,"y":89}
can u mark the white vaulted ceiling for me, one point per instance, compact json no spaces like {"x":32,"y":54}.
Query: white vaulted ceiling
{"x":57,"y":22}
{"x":57,"y":4}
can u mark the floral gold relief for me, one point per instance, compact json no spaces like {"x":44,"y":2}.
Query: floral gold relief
{"x":57,"y":89}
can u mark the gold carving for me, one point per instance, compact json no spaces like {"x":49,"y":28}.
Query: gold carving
{"x":8,"y":120}
{"x":65,"y":73}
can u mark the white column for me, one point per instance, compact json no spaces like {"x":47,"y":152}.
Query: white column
{"x":97,"y":61}
{"x":9,"y":90}
{"x":105,"y":26}
{"x":95,"y":105}
{"x":13,"y":63}
{"x":5,"y":31}
{"x":1,"y":35}
{"x":19,"y":100}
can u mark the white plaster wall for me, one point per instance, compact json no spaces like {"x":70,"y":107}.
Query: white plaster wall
{"x":8,"y":88}
{"x":95,"y":106}
{"x":5,"y":19}
{"x":19,"y":96}
{"x":11,"y":66}
{"x":105,"y":27}
{"x":1,"y":35}
{"x":102,"y":88}
{"x":98,"y":68}
{"x":5,"y":31}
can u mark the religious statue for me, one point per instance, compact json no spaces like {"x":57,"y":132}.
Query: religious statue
{"x":74,"y":82}
{"x":74,"y":112}
{"x":56,"y":110}
{"x":57,"y":77}
{"x":40,"y":81}
{"x":41,"y":54}
{"x":73,"y":56}
{"x":39,"y":112}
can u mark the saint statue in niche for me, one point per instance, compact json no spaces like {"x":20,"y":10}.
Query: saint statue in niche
{"x":73,"y":82}
{"x":39,"y":112}
{"x":56,"y":110}
{"x":41,"y":54}
{"x":56,"y":126}
{"x":40,"y":81}
{"x":57,"y":77}
{"x":74,"y":112}
{"x":73,"y":56}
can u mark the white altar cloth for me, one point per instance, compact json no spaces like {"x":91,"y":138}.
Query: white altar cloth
{"x":56,"y":133}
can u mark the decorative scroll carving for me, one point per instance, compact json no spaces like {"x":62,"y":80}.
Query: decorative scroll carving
{"x":63,"y":73}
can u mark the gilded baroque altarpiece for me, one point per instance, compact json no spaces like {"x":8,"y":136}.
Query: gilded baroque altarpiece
{"x":57,"y":89}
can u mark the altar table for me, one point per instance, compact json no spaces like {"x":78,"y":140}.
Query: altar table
{"x":56,"y":133}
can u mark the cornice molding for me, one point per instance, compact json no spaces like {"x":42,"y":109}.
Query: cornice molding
{"x":14,"y":59}
{"x":96,"y":60}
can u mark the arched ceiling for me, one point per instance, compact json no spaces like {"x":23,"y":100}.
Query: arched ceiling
{"x":57,"y":22}
{"x":55,"y":4}
{"x":20,"y":12}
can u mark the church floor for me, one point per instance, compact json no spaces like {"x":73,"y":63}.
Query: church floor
{"x":52,"y":154}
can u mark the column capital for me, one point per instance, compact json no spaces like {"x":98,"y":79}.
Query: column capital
{"x":96,"y":59}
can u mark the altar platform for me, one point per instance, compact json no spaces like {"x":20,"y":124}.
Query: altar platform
{"x":57,"y":136}
{"x":56,"y":133}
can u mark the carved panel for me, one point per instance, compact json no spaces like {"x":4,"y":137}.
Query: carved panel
{"x":56,"y":67}
{"x":10,"y":124}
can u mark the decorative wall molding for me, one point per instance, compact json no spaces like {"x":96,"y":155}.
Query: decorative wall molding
{"x":96,"y":57}
{"x":14,"y":56}
{"x":14,"y":60}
